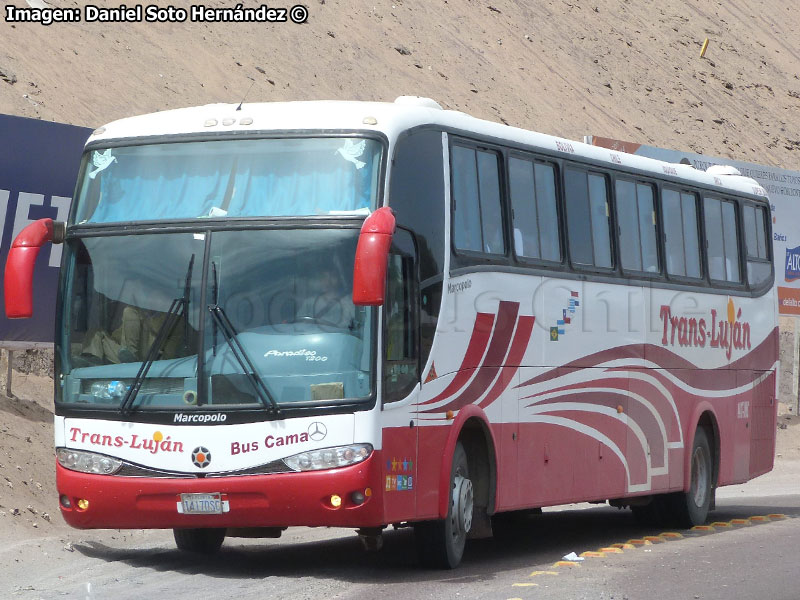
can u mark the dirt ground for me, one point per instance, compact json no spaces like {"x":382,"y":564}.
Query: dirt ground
{"x":28,"y":500}
{"x":613,"y":68}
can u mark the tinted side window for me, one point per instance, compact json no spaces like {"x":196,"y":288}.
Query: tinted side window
{"x":722,"y":240}
{"x":681,"y":240}
{"x":491,"y":212}
{"x":759,"y":268}
{"x":466,"y":207}
{"x":417,"y":197}
{"x":478,"y":222}
{"x":587,"y":218}
{"x":636,"y":220}
{"x":533,"y":202}
{"x":691,"y":238}
{"x":548,"y":213}
{"x":401,"y":366}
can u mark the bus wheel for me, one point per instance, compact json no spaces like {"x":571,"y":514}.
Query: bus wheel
{"x":686,"y":509}
{"x":199,"y":541}
{"x":441,"y":544}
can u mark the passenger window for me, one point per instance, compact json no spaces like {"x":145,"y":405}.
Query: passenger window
{"x":681,"y":239}
{"x":759,"y":267}
{"x":589,"y":238}
{"x":478,"y":216}
{"x":401,"y":365}
{"x":722,"y":240}
{"x":533,"y":202}
{"x":636,"y":220}
{"x":691,"y":240}
{"x":466,"y":207}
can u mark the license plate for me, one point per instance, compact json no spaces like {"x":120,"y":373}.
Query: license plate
{"x":201,"y":504}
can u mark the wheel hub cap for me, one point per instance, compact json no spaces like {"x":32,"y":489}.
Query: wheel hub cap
{"x":462,"y":504}
{"x":700,"y":476}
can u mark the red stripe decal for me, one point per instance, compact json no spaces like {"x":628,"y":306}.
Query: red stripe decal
{"x":626,"y":387}
{"x":635,"y":412}
{"x":514,"y":359}
{"x":501,"y":340}
{"x":760,"y":358}
{"x":475,"y":350}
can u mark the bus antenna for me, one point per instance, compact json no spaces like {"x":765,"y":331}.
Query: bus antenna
{"x":245,"y":95}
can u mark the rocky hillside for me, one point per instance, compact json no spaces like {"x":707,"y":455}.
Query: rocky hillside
{"x":613,"y":68}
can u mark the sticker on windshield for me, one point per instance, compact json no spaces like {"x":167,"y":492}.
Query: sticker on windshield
{"x":101,"y":161}
{"x":214,"y":213}
{"x":352,"y":150}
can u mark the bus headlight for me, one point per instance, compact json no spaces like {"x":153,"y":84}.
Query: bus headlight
{"x":329,"y":458}
{"x":87,"y":462}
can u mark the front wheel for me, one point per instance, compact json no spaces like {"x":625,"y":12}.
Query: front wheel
{"x":199,"y":541}
{"x":441,"y":544}
{"x":687,"y":509}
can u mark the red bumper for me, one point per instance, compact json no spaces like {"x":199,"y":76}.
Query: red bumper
{"x":277,"y":500}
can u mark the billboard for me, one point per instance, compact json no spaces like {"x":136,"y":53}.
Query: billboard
{"x":38,"y":168}
{"x":783,"y":188}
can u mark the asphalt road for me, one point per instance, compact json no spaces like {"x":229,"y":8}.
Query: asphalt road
{"x":753,"y":560}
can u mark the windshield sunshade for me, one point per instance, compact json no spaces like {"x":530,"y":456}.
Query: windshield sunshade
{"x":229,"y":178}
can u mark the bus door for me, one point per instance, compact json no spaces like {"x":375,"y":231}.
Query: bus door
{"x":400,"y":379}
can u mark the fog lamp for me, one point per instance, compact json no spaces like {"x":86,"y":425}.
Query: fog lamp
{"x":336,"y":501}
{"x":83,"y":503}
{"x":65,"y":502}
{"x":357,"y":498}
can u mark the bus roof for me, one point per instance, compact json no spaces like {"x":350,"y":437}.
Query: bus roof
{"x":391,"y":119}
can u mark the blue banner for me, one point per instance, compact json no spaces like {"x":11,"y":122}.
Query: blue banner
{"x":39,"y":164}
{"x":792,"y":272}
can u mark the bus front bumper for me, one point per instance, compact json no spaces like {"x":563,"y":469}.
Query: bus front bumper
{"x":273,"y":500}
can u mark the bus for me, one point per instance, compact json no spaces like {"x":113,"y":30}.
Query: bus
{"x":364,"y":314}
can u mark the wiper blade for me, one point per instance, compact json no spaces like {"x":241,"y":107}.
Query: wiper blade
{"x":173,"y":314}
{"x":244,"y":360}
{"x":178,"y":306}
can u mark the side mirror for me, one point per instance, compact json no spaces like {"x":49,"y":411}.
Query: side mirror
{"x":372,"y":256}
{"x":18,"y":277}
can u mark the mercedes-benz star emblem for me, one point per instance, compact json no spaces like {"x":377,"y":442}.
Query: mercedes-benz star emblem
{"x":317,"y":431}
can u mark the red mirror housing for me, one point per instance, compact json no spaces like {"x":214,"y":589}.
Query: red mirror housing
{"x":18,"y":278}
{"x":372,"y":257}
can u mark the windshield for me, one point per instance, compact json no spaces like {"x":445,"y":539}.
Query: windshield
{"x":229,"y":178}
{"x":274,"y":324}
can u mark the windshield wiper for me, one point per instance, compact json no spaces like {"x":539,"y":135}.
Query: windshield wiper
{"x":215,"y":293}
{"x":178,"y":306}
{"x":244,"y":360}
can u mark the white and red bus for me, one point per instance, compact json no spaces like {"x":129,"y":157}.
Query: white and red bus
{"x":362,"y":314}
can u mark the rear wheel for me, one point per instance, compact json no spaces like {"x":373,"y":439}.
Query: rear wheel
{"x":686,"y":509}
{"x":441,"y":544}
{"x":199,"y":541}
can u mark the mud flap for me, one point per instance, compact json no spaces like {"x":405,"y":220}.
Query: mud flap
{"x":481,"y":524}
